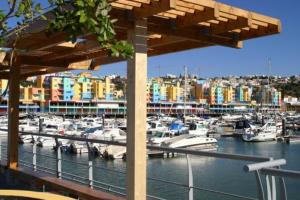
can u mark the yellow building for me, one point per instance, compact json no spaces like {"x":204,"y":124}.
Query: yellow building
{"x":246,"y":95}
{"x":24,"y":95}
{"x":197,"y":92}
{"x":179,"y":92}
{"x":228,"y":94}
{"x":98,"y":89}
{"x":172,"y":93}
{"x":212,"y":95}
{"x":77,"y":91}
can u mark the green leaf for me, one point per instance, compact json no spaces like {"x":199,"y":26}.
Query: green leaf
{"x":83,"y":18}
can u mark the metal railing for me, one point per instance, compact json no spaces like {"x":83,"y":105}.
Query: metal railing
{"x":262,"y":166}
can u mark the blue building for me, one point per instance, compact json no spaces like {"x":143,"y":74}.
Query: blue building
{"x":68,"y":91}
{"x":219,"y":95}
{"x":109,"y":96}
{"x":239,"y":94}
{"x":155,"y":93}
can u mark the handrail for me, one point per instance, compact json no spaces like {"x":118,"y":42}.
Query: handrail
{"x":158,"y":148}
{"x":281,"y":173}
{"x":267,"y":164}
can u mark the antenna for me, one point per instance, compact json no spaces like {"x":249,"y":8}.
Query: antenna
{"x":269,"y":71}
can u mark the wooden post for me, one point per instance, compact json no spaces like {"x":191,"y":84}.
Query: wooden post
{"x":13,"y":115}
{"x":136,"y":112}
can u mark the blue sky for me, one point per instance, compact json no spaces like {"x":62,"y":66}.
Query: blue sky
{"x":282,"y":49}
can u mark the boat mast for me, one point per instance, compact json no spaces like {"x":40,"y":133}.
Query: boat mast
{"x":185,"y":88}
{"x":269,"y":73}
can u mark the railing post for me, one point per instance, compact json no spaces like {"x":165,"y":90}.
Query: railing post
{"x":283,"y":194}
{"x":34,"y":157}
{"x":269,"y":190}
{"x":58,"y":162}
{"x":58,"y":159}
{"x":261,"y":195}
{"x":273,"y":187}
{"x":91,"y":174}
{"x":91,"y":184}
{"x":191,"y":179}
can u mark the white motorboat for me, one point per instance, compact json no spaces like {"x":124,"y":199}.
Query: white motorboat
{"x":267,"y":132}
{"x":156,"y":126}
{"x":160,"y":137}
{"x":241,"y":126}
{"x":231,"y":117}
{"x":112,"y":134}
{"x":198,"y":129}
{"x":189,"y":141}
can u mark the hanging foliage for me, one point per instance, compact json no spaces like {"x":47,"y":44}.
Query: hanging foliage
{"x":74,"y":17}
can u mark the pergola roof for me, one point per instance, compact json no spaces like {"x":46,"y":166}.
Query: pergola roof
{"x":173,"y":25}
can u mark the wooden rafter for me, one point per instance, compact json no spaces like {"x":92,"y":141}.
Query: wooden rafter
{"x":173,"y":25}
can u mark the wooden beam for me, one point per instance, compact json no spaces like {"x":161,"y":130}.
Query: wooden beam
{"x":48,"y":70}
{"x":13,"y":115}
{"x":197,"y":17}
{"x":224,"y":27}
{"x":136,"y":113}
{"x":176,"y":47}
{"x":153,"y":8}
{"x":166,"y":27}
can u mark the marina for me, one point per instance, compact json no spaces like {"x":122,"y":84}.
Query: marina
{"x":140,"y":134}
{"x":175,"y":169}
{"x":166,"y":170}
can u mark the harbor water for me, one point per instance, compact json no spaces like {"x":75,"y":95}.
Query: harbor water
{"x":209,"y":173}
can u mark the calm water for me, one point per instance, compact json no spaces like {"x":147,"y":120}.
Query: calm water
{"x":211,"y":173}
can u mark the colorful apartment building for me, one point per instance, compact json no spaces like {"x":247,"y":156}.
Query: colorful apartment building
{"x":219,"y":98}
{"x":84,"y":88}
{"x":229,"y":95}
{"x":108,"y":89}
{"x":68,"y":92}
{"x":163,"y":92}
{"x":179,"y":93}
{"x":239,"y":94}
{"x":197,"y":92}
{"x":155,"y":93}
{"x":212,"y":95}
{"x":56,"y":89}
{"x":172,"y":93}
{"x":98,"y":90}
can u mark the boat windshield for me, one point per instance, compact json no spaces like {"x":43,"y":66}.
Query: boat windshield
{"x":52,"y":126}
{"x":159,"y":134}
{"x":153,"y":125}
{"x":92,"y":130}
{"x":193,"y":126}
{"x":200,"y":126}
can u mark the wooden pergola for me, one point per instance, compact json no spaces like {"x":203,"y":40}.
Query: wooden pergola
{"x":154,"y":27}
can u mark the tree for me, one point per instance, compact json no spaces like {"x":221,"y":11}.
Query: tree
{"x":75,"y":17}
